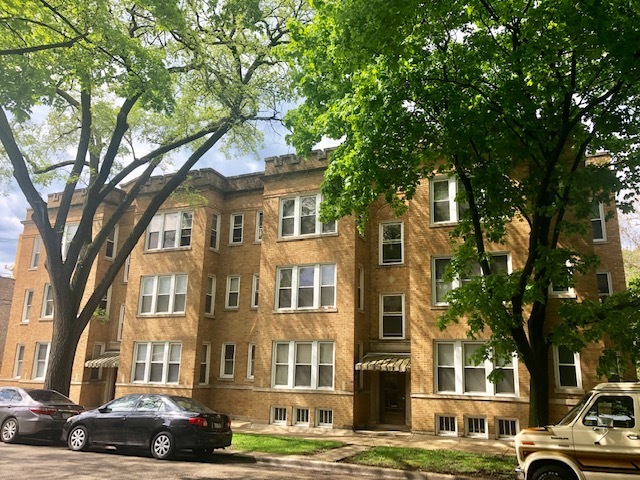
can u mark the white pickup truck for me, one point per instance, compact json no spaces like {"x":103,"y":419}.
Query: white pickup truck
{"x":599,"y":439}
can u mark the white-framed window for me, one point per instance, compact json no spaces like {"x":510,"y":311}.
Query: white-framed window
{"x":210,"y":297}
{"x":111,"y":244}
{"x":35,"y":253}
{"x":18,"y":362}
{"x":255,"y":290}
{"x":446,"y":425}
{"x":279,"y":415}
{"x":307,"y":365}
{"x":558,"y":290}
{"x":169,"y":230}
{"x":324,"y":417}
{"x":227,"y":360}
{"x":205,"y":363}
{"x":391,"y":243}
{"x":105,"y":304}
{"x":604,"y":285}
{"x":251,"y":361}
{"x":392,"y":316}
{"x":360,"y":288}
{"x":507,"y":428}
{"x":68,"y":233}
{"x":26,"y":306}
{"x":299,"y":216}
{"x":259,"y":217}
{"x":125,"y":269}
{"x":236,"y":229}
{"x":96,"y":373}
{"x":156,"y":362}
{"x":301,"y":417}
{"x":567,"y":367}
{"x":163,"y":294}
{"x":458,"y":373}
{"x":476,"y":427}
{"x":41,"y":360}
{"x":306,"y":287}
{"x":214,"y":238}
{"x":232,"y":298}
{"x":441,"y":284}
{"x":47,"y":302}
{"x":120,"y":322}
{"x":442,"y":196}
{"x":598,"y":226}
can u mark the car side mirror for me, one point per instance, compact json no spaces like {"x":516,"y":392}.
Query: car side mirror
{"x":605,"y":421}
{"x":104,"y":409}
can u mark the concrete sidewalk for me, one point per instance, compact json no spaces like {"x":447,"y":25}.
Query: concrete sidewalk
{"x":361,"y":440}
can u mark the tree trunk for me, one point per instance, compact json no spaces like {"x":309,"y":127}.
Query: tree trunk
{"x":64,"y":344}
{"x":539,"y":390}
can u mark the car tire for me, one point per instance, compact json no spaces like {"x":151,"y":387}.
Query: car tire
{"x":9,"y":431}
{"x":163,"y":445}
{"x":553,"y":472}
{"x":78,"y":438}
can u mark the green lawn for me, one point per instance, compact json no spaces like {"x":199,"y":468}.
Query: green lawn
{"x":281,"y":445}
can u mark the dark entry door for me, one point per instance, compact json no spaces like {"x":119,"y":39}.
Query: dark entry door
{"x":392,"y":398}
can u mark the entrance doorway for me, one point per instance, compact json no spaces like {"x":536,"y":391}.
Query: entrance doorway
{"x":392,"y":398}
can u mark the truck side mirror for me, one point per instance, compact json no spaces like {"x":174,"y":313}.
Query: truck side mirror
{"x":605,"y":421}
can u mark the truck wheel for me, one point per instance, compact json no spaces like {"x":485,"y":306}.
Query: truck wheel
{"x":553,"y":472}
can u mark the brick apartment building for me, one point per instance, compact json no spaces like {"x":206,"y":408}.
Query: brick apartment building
{"x":247,"y":302}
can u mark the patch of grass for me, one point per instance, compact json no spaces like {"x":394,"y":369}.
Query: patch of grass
{"x":438,"y":461}
{"x":281,"y":445}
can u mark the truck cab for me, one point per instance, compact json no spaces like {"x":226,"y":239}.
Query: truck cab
{"x":599,"y":439}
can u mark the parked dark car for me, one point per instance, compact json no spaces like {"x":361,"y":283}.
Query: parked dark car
{"x":34,"y":412}
{"x":161,"y":423}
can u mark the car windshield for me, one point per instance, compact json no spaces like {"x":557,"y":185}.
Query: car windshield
{"x":575,"y":411}
{"x":190,"y":405}
{"x":48,"y":396}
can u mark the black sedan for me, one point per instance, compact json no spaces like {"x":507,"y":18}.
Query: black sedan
{"x":34,"y":412}
{"x":161,"y":423}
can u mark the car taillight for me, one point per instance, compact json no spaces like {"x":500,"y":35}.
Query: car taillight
{"x":199,"y":421}
{"x":43,"y":411}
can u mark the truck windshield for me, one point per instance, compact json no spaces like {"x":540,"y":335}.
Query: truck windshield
{"x":575,"y":411}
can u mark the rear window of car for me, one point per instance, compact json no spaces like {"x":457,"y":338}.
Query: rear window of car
{"x":50,"y":396}
{"x":190,"y":405}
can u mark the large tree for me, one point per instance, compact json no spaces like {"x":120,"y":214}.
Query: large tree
{"x":85,"y":86}
{"x":508,"y":95}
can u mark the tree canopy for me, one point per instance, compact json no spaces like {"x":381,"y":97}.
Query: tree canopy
{"x":93,"y":93}
{"x":509,"y":96}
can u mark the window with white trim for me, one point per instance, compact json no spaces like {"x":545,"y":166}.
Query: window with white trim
{"x":476,"y":427}
{"x":105,"y":304}
{"x":26,"y":307}
{"x":442,"y":195}
{"x":210,"y":296}
{"x":111,"y":243}
{"x":232,"y":298}
{"x":567,"y":366}
{"x":279,"y":415}
{"x":324,"y":417}
{"x":169,"y":230}
{"x":301,"y":417}
{"x":304,"y":365}
{"x":163,"y":294}
{"x":96,"y":373}
{"x":214,"y":238}
{"x":598,"y":226}
{"x":156,"y":362}
{"x":507,"y":428}
{"x":68,"y":233}
{"x":47,"y":302}
{"x":120,"y":322}
{"x":18,"y":362}
{"x":446,"y":426}
{"x":41,"y":360}
{"x":360,"y":288}
{"x":560,"y":290}
{"x":458,"y":373}
{"x":299,"y":216}
{"x":227,"y":360}
{"x":251,"y":361}
{"x":125,"y":272}
{"x":259,"y":216}
{"x":604,"y":285}
{"x":391,"y":243}
{"x":306,"y":287}
{"x":392,"y":316}
{"x":255,"y":290}
{"x":205,"y":363}
{"x":35,"y":252}
{"x":236,"y":229}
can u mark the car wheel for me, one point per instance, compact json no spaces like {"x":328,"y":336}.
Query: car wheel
{"x":163,"y":445}
{"x":9,"y":430}
{"x":553,"y":472}
{"x":203,"y":452}
{"x":78,"y":438}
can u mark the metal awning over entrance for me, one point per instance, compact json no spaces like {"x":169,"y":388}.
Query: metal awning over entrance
{"x":385,"y":362}
{"x":105,"y":360}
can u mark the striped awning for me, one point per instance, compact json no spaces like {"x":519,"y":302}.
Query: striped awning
{"x":385,"y":362}
{"x":105,"y":360}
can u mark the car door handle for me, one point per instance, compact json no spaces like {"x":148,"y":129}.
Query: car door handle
{"x":633,"y":436}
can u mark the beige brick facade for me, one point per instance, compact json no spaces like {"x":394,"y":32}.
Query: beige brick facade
{"x":199,"y":343}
